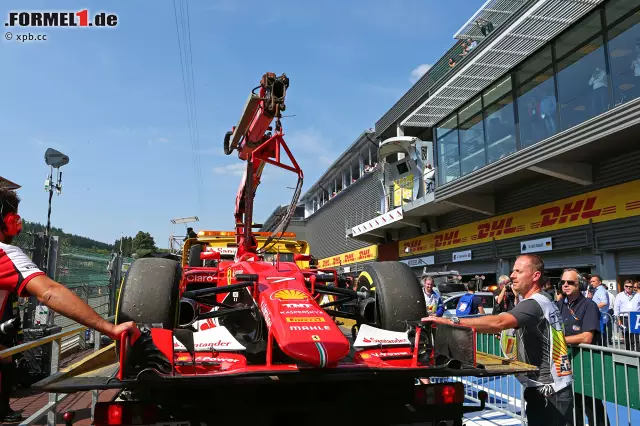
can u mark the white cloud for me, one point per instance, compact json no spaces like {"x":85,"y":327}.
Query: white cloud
{"x":418,"y":72}
{"x":158,"y":140}
{"x":236,"y":169}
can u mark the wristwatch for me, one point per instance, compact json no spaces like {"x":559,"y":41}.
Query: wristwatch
{"x":455,"y":320}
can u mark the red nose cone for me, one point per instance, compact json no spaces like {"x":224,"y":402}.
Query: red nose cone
{"x":68,"y":416}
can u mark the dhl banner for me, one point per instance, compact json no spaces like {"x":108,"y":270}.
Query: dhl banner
{"x":362,"y":255}
{"x":615,"y":202}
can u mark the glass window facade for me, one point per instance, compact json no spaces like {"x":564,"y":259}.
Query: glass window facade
{"x":589,"y":69}
{"x":624,"y":57}
{"x":583,"y":84}
{"x":499,"y":120}
{"x":448,"y":150}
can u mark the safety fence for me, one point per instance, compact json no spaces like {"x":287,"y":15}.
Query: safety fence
{"x":606,"y":385}
{"x":54,"y":342}
{"x":93,"y":277}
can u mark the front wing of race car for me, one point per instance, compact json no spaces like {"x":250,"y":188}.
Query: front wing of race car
{"x":160,"y":357}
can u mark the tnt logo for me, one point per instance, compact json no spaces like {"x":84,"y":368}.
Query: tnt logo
{"x":447,"y":239}
{"x":570,"y":212}
{"x":497,"y":227}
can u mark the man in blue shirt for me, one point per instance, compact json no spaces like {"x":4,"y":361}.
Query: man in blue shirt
{"x":601,"y":298}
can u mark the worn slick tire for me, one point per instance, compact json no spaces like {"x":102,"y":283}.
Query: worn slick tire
{"x":398,"y":294}
{"x":150,"y":293}
{"x":194,"y":255}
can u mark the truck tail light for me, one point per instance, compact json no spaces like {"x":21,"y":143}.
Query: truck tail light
{"x":124,"y":413}
{"x":439,"y":394}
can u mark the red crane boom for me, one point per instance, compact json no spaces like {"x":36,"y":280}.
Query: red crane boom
{"x":253,"y":139}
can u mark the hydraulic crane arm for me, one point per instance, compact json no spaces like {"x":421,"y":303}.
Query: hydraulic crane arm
{"x":256,"y":145}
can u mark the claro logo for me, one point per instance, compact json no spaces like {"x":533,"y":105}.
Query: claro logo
{"x":201,"y":278}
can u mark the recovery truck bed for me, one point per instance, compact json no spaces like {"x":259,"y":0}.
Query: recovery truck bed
{"x":349,"y":393}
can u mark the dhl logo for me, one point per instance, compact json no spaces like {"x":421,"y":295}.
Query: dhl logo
{"x":349,"y":257}
{"x":447,"y":239}
{"x":364,"y":254}
{"x":289,"y":294}
{"x":495,"y":228}
{"x":570,"y":212}
{"x":305,"y":319}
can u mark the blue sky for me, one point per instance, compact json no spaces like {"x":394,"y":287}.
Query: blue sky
{"x":113,"y":100}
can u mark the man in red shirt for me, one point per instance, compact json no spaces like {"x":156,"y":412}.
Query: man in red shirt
{"x":19,"y":276}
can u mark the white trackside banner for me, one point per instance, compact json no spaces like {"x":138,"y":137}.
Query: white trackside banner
{"x":212,"y":339}
{"x":370,"y":337}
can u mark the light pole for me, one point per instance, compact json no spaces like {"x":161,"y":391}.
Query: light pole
{"x":54,"y":159}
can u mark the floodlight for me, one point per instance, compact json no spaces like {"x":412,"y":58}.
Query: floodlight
{"x":55,"y":158}
{"x":185,"y":219}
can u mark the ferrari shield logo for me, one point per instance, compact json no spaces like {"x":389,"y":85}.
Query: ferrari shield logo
{"x":315,"y":338}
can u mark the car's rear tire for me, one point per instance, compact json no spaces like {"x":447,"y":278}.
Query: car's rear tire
{"x":397,"y":292}
{"x":150,"y":293}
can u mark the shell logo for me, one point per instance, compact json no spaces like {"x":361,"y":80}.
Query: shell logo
{"x":289,"y":294}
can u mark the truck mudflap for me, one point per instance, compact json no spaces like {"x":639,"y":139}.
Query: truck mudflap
{"x":178,"y":358}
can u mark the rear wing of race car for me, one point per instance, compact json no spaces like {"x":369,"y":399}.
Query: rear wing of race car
{"x":376,"y":356}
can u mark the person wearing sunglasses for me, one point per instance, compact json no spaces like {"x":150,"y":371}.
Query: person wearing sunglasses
{"x":627,"y":301}
{"x":581,"y":319}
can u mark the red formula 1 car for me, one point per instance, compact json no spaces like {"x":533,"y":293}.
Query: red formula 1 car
{"x":252,"y":339}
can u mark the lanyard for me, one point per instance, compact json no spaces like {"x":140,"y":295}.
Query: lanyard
{"x":573,"y":314}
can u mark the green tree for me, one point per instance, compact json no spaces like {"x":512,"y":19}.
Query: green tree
{"x":143,"y":241}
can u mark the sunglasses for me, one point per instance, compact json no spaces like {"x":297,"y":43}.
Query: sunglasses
{"x":569,"y":282}
{"x":628,"y":286}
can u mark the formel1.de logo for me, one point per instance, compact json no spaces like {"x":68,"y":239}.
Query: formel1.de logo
{"x":61,"y":19}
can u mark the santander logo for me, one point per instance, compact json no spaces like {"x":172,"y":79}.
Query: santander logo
{"x":388,"y":341}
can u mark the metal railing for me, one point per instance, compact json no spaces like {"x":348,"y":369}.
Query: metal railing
{"x":55,"y":341}
{"x":606,"y":384}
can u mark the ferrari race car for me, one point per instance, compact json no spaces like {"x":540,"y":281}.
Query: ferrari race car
{"x":266,"y":351}
{"x":243,"y":328}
